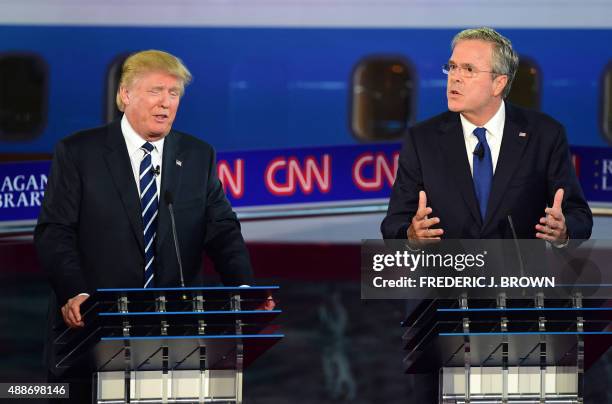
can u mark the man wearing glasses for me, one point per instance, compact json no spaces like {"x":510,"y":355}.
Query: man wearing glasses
{"x":485,"y":168}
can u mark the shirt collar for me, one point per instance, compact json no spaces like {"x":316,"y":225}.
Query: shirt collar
{"x":133,"y":140}
{"x":495,"y":126}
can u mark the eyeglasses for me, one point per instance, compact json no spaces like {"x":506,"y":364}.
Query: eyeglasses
{"x":466,"y":71}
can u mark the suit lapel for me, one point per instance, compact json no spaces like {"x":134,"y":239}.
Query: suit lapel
{"x":453,"y":150}
{"x":171,"y":178}
{"x":120,"y":168}
{"x":510,"y":154}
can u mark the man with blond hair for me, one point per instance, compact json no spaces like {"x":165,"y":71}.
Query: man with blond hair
{"x":486,"y":168}
{"x":105,"y":221}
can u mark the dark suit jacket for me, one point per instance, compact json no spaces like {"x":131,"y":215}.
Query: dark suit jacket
{"x":529,"y":170}
{"x":90,"y":232}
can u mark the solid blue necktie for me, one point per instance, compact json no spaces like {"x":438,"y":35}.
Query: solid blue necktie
{"x":149,"y":205}
{"x":483,"y":170}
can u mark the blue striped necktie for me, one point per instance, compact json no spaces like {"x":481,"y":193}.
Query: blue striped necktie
{"x":149,"y":204}
{"x":483,"y":170}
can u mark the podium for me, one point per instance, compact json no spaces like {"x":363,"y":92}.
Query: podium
{"x":170,"y":345}
{"x":498,"y":320}
{"x":505,"y":350}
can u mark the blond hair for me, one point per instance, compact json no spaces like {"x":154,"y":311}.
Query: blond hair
{"x":151,"y":61}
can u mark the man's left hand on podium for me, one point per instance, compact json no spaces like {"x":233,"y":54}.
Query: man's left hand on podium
{"x":71,"y":311}
{"x":268,"y":304}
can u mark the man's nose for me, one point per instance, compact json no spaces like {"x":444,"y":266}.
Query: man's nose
{"x":165,"y":100}
{"x":454,"y":79}
{"x":455,"y":76}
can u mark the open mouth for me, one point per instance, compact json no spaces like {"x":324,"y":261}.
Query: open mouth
{"x":160,"y":117}
{"x":454,"y":92}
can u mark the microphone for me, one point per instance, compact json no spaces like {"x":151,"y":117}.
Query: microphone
{"x":156,"y":171}
{"x":169,"y":201}
{"x":479,"y":151}
{"x":517,"y":247}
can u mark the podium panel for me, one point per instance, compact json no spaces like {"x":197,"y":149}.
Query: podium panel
{"x":505,"y":350}
{"x":170,"y":345}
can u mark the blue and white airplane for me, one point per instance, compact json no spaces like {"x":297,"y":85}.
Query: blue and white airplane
{"x":295,"y":74}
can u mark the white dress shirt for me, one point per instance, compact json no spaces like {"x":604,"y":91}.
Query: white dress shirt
{"x":134,"y":142}
{"x":495,"y":132}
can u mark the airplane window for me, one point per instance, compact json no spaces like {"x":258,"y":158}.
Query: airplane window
{"x":23,"y":96}
{"x":606,"y":105}
{"x":526,"y":88}
{"x":382,"y":104}
{"x":111,"y":112}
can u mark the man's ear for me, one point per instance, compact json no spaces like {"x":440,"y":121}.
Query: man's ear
{"x":499,"y":83}
{"x":124,"y":94}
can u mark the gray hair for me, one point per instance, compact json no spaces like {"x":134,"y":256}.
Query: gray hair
{"x":505,"y":59}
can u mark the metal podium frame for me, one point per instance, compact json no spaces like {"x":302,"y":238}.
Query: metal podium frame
{"x":527,"y":350}
{"x":170,"y":345}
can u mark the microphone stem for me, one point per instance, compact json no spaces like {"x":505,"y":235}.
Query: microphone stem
{"x":176,"y":245}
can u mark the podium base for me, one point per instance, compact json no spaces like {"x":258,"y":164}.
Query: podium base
{"x":525,"y":384}
{"x":175,"y":386}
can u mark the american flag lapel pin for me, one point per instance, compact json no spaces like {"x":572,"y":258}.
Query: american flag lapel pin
{"x":522,"y":134}
{"x":179,"y":163}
